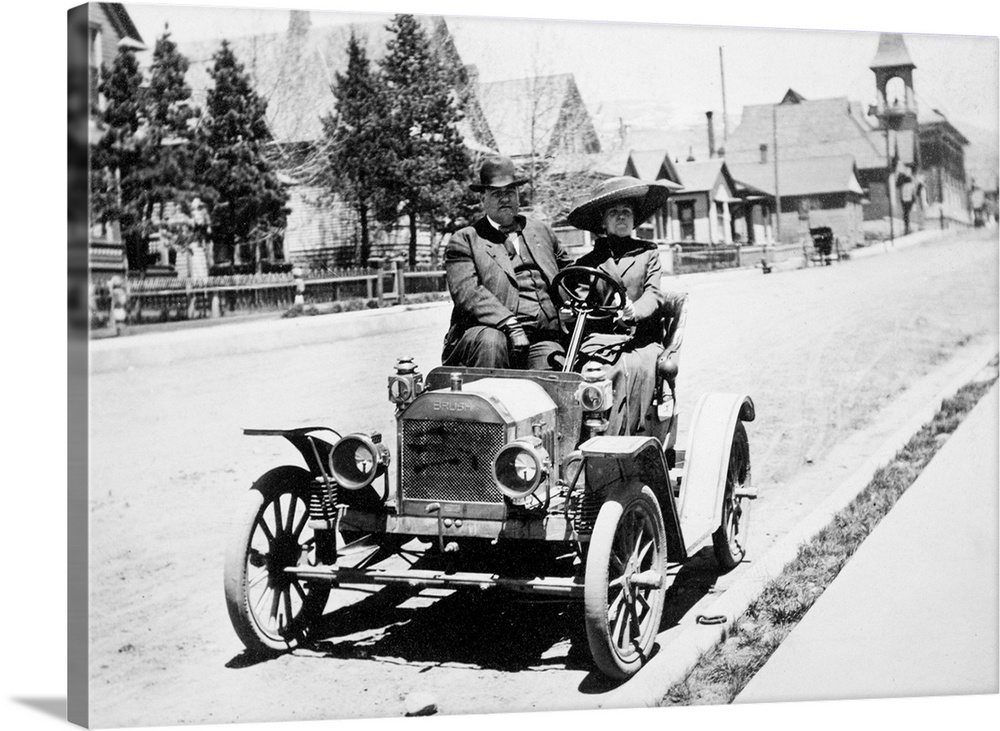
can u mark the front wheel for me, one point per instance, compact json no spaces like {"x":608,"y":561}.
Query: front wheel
{"x":729,"y":541}
{"x":624,"y":580}
{"x":271,"y":610}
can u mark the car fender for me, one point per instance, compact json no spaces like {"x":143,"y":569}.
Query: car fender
{"x":706,"y":462}
{"x":612,"y":464}
{"x":314,"y":450}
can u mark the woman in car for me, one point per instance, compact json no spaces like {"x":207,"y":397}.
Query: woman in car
{"x":630,"y":344}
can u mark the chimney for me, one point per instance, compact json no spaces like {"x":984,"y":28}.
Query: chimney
{"x":690,"y":154}
{"x":763,"y":153}
{"x":299,"y":22}
{"x":711,"y":135}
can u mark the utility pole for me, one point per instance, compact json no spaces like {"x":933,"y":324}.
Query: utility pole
{"x":725,"y":115}
{"x":888,"y":184}
{"x":777,"y":190}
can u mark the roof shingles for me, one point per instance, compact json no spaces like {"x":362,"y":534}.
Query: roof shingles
{"x":813,"y":176}
{"x":819,"y":128}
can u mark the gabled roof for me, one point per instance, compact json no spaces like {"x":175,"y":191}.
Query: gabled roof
{"x":792,"y":97}
{"x":813,"y":176}
{"x":934,"y":119}
{"x":294,"y":71}
{"x":704,"y":175}
{"x":605,"y":164}
{"x":533,"y":115}
{"x":122,"y":21}
{"x":891,"y":52}
{"x":646,"y":164}
{"x":652,"y":165}
{"x":809,"y":128}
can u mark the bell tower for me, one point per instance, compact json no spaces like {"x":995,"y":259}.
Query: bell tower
{"x":892,"y":61}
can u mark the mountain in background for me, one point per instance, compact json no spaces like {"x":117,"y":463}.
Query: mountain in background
{"x":644,"y":124}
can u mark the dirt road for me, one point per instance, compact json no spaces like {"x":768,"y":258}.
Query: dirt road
{"x":821,"y":351}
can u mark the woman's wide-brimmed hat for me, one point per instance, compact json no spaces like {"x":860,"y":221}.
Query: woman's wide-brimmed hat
{"x":497,"y":172}
{"x":644,"y":197}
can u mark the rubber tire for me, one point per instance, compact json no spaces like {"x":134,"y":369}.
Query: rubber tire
{"x":614,"y":520}
{"x":251,"y":628}
{"x":729,"y":540}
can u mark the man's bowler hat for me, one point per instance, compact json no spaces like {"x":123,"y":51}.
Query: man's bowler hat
{"x":497,"y":172}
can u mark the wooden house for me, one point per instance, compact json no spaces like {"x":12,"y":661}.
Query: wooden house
{"x":908,"y":162}
{"x":817,"y":191}
{"x":654,"y":165}
{"x":109,"y":27}
{"x":538,"y":118}
{"x":701,"y":212}
{"x":293,"y":71}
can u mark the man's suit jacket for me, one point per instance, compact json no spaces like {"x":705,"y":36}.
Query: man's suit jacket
{"x":481,"y":275}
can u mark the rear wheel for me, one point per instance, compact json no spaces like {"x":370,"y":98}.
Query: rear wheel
{"x":729,"y":541}
{"x":623,"y":587}
{"x":272,"y":610}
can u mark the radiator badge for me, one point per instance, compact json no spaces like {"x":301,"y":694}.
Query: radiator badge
{"x":453,"y":406}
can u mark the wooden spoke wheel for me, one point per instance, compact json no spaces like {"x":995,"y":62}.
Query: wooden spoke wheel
{"x":729,"y":541}
{"x":624,"y":580}
{"x":272,"y":610}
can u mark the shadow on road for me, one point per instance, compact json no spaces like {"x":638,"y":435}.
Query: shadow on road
{"x":696,"y":579}
{"x":490,"y":629}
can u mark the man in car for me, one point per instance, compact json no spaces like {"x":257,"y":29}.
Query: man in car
{"x":499,"y":272}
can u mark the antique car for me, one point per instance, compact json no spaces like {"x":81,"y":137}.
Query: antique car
{"x":500,"y":479}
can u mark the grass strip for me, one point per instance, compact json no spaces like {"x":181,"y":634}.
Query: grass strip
{"x":723,"y":672}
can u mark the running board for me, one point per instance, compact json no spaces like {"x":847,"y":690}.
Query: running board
{"x":426,"y":578}
{"x":567,"y":587}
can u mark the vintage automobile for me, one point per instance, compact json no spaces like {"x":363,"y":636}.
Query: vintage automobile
{"x":504,"y":479}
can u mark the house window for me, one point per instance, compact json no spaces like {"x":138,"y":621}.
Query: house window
{"x":720,"y":219}
{"x":685,"y":214}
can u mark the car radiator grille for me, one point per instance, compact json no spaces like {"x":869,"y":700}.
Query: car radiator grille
{"x":450,"y":460}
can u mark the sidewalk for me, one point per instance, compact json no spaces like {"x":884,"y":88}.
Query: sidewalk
{"x":915,"y":610}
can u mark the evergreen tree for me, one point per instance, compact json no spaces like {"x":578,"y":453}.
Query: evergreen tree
{"x":433,"y":165}
{"x":360,"y":159}
{"x":243,"y":196}
{"x":116,"y":164}
{"x":169,"y":133}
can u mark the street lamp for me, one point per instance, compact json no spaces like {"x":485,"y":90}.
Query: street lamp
{"x":890,"y":118}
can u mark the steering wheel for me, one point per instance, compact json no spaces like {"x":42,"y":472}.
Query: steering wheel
{"x":577,"y":287}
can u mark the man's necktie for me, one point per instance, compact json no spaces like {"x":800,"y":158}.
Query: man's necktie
{"x":511,"y":243}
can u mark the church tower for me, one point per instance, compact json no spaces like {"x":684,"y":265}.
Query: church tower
{"x":892,"y":61}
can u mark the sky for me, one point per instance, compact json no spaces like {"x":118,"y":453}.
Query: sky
{"x":663,"y":61}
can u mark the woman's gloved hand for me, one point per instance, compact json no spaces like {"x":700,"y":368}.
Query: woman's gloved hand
{"x":627,"y":315}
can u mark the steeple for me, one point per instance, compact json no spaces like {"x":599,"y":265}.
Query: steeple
{"x":891,"y":53}
{"x":892,"y":61}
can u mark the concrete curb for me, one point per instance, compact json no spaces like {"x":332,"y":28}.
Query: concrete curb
{"x":936,"y":551}
{"x":677,"y":659}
